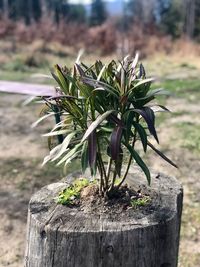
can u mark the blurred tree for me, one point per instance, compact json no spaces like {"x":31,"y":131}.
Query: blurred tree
{"x":197,"y":19}
{"x":59,"y":9}
{"x":192,"y":18}
{"x":98,"y":13}
{"x":162,"y":7}
{"x":43,"y":7}
{"x":142,"y":11}
{"x":76,"y":13}
{"x":36,"y":9}
{"x":29,"y":10}
{"x":4,"y":7}
{"x":171,"y":19}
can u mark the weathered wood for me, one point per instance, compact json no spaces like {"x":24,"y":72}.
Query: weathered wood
{"x":59,"y":236}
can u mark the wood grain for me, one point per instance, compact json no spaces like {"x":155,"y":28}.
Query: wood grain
{"x":59,"y":236}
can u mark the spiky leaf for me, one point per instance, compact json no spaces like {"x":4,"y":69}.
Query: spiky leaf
{"x":140,"y":162}
{"x":96,"y":123}
{"x":162,"y":155}
{"x":148,"y":115}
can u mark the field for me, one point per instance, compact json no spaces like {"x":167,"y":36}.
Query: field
{"x":22,"y":148}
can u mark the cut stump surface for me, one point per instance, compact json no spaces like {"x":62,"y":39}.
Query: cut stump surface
{"x":60,"y":236}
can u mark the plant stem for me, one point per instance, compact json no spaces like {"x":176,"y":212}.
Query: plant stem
{"x":113,"y":181}
{"x":108,"y":171}
{"x":101,"y":183}
{"x":126,"y":172}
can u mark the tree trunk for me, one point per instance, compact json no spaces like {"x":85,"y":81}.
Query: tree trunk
{"x":190,"y":18}
{"x":44,"y":8}
{"x":6,"y":8}
{"x":59,"y":236}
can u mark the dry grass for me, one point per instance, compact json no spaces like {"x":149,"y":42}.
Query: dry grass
{"x":107,"y":39}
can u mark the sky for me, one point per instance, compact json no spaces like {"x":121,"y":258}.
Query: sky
{"x":82,"y":1}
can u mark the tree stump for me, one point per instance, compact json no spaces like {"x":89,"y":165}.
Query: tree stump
{"x":59,"y":236}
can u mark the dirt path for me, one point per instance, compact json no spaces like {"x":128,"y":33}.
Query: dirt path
{"x":26,"y":88}
{"x":22,"y":150}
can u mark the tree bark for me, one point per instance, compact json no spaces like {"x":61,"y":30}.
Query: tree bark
{"x":6,"y":8}
{"x":190,"y":18}
{"x":59,"y":236}
{"x":44,"y":8}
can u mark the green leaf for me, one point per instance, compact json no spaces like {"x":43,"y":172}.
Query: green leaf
{"x":142,"y":133}
{"x":62,"y":80}
{"x":42,"y":118}
{"x":155,"y":92}
{"x":143,"y":81}
{"x":162,"y":155}
{"x":69,"y":154}
{"x":65,"y":144}
{"x":140,"y":162}
{"x":52,"y":154}
{"x":57,"y":132}
{"x":148,"y":115}
{"x":94,"y":83}
{"x":96,"y":123}
{"x":129,"y":116}
{"x":135,"y":61}
{"x":72,"y":157}
{"x":101,"y":73}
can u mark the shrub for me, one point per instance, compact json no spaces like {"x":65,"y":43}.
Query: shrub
{"x":102,"y":111}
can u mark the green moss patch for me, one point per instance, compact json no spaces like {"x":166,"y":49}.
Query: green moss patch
{"x":140,"y":202}
{"x":69,"y":194}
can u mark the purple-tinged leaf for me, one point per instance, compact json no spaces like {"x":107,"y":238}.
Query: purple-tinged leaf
{"x":162,"y":155}
{"x":159,"y":108}
{"x":61,"y":96}
{"x":80,"y":70}
{"x":142,"y":72}
{"x":114,"y":119}
{"x":115,"y":142}
{"x":148,"y":115}
{"x":92,"y":149}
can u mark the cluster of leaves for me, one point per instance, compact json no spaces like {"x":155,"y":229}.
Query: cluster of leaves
{"x":69,"y":194}
{"x":101,"y":112}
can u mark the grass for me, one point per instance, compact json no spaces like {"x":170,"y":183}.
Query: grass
{"x":189,"y":260}
{"x":182,"y":88}
{"x":189,"y":134}
{"x":26,"y":174}
{"x":191,"y":221}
